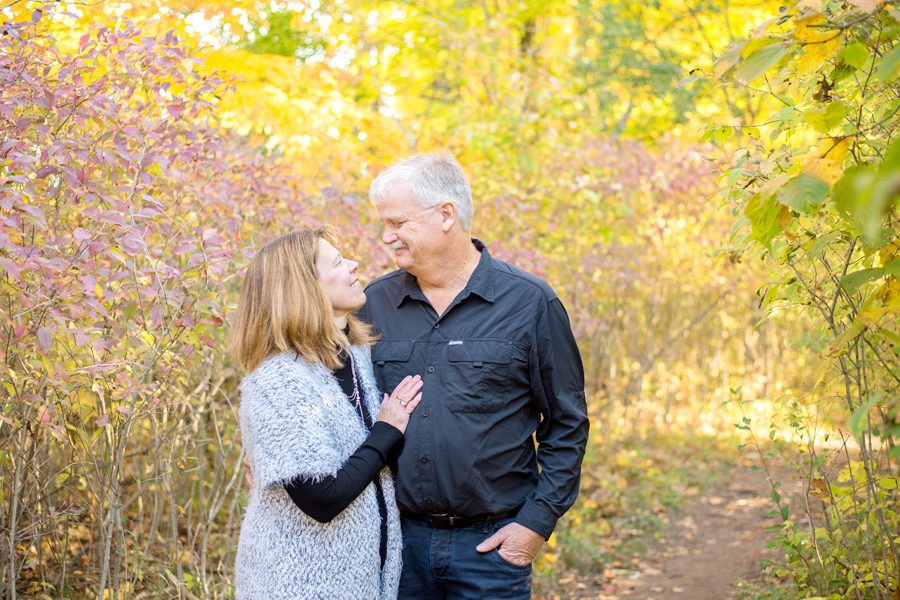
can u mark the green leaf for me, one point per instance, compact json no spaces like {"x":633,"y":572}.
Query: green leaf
{"x":854,"y":54}
{"x":763,"y":213}
{"x":688,"y":81}
{"x":858,"y":421}
{"x":821,"y":243}
{"x":803,"y":192}
{"x":887,"y":483}
{"x":785,"y":511}
{"x":892,"y":267}
{"x":853,"y":281}
{"x":728,"y":59}
{"x":760,"y":60}
{"x":889,"y":66}
{"x":824,"y":121}
{"x":864,"y":196}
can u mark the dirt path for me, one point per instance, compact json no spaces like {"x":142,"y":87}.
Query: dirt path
{"x":714,"y":541}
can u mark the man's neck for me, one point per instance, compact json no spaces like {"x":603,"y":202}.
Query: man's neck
{"x":453,"y":274}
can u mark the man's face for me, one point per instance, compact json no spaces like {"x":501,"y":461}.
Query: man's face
{"x":412,"y":232}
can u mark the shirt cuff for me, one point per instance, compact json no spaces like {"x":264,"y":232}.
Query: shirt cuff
{"x":383,"y":438}
{"x":537,"y":518}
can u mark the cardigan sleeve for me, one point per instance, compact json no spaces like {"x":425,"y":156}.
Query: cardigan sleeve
{"x":325,"y":499}
{"x":285,"y":426}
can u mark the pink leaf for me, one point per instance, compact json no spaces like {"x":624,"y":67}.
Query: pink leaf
{"x":44,"y":171}
{"x":81,"y":234}
{"x":81,"y":338}
{"x":45,"y":337}
{"x":866,"y":5}
{"x":37,"y":213}
{"x":132,"y":243}
{"x":102,"y":420}
{"x":13,"y":269}
{"x":146,"y":212}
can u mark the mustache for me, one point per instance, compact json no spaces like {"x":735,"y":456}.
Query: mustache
{"x":397,"y":245}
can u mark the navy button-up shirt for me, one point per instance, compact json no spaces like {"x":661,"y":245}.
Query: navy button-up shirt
{"x":500,"y":369}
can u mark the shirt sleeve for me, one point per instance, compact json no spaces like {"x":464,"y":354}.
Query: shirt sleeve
{"x":557,"y":377}
{"x":324,"y":499}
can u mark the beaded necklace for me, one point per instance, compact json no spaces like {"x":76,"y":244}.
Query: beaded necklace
{"x":355,"y":397}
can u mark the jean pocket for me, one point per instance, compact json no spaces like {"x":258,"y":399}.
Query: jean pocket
{"x":495,"y":554}
{"x":477,"y":373}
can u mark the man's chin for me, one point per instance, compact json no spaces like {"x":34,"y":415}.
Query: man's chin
{"x":402,"y":261}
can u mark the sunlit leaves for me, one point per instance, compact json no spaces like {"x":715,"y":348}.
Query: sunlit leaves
{"x":827,"y":119}
{"x":759,"y":60}
{"x":830,"y":162}
{"x":889,"y":66}
{"x":764,"y":214}
{"x":803,"y":192}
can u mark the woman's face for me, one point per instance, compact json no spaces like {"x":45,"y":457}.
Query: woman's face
{"x":337,"y":278}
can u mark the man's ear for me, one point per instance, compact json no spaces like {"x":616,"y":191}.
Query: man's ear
{"x":448,"y":216}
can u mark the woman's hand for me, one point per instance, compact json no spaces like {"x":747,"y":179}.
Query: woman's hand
{"x":396,"y":408}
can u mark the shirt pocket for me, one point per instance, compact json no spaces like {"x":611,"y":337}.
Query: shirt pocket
{"x":391,"y":361}
{"x":477,"y":374}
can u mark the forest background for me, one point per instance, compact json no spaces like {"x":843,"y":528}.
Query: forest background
{"x":711,"y":187}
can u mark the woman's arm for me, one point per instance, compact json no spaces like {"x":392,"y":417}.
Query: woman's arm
{"x":325,"y":499}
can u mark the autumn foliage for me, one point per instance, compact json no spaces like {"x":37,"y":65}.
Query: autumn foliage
{"x":714,"y":202}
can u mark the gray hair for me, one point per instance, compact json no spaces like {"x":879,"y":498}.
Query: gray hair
{"x":433,"y":179}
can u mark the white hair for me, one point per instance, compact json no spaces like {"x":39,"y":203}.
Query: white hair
{"x":433,"y":179}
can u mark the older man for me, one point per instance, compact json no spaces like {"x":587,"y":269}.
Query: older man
{"x":499,"y":361}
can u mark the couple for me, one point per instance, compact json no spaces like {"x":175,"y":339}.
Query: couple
{"x":479,"y":357}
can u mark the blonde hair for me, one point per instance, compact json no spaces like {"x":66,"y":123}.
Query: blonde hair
{"x":283,"y":309}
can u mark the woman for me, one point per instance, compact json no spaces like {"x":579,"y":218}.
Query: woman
{"x":321,"y":521}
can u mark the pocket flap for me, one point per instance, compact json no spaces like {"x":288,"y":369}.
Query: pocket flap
{"x":479,"y":351}
{"x":392,"y":350}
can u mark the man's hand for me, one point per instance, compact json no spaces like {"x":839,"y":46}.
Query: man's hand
{"x":518,"y":544}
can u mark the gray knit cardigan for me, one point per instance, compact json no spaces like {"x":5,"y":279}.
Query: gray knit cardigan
{"x":295,"y":420}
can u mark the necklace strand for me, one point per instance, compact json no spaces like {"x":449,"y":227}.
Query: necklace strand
{"x":354,"y":397}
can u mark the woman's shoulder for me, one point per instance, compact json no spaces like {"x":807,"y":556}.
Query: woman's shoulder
{"x":280,"y":371}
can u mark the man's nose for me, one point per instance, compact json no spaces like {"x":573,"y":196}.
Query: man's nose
{"x":388,"y":236}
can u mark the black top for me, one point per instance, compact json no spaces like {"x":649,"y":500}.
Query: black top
{"x":500,"y":364}
{"x":325,"y":499}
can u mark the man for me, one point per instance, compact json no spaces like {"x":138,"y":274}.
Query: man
{"x":499,"y":362}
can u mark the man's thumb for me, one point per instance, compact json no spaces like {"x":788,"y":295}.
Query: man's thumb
{"x":490,"y":543}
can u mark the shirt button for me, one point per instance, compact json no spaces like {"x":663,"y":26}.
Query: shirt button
{"x":437,"y":325}
{"x":424,"y":414}
{"x":423,"y":460}
{"x":431,"y":369}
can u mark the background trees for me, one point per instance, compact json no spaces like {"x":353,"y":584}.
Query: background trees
{"x":711,"y":187}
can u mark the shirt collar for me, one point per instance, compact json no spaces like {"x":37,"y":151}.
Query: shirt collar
{"x":481,"y":283}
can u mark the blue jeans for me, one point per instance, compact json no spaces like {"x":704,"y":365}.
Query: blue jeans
{"x":442,"y":564}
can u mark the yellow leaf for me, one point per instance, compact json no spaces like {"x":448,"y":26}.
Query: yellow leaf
{"x":834,"y":148}
{"x":809,"y":30}
{"x":817,"y":53}
{"x":826,"y":169}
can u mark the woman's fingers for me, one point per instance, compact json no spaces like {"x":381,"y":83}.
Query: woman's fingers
{"x":407,"y":388}
{"x":414,"y":403}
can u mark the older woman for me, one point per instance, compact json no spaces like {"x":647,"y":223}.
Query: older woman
{"x":321,"y":521}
